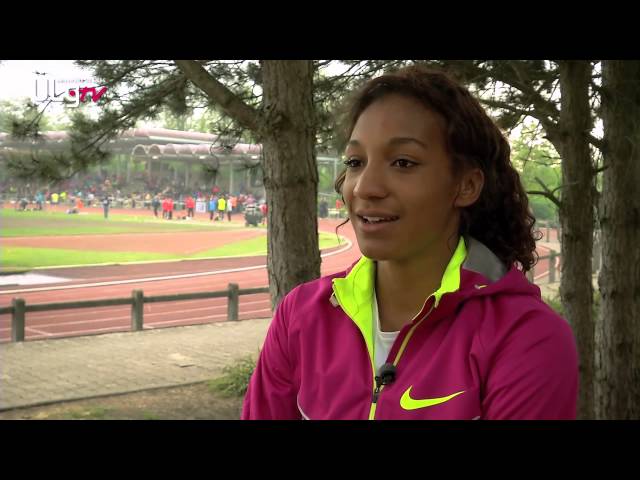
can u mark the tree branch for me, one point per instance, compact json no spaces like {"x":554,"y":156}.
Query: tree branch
{"x":546,"y":195}
{"x":506,"y":106}
{"x":229,"y":103}
{"x":596,"y":142}
{"x":546,"y":192}
{"x":543,"y":109}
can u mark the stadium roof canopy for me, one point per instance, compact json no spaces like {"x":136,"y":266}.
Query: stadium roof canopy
{"x":152,"y":143}
{"x":144,"y":142}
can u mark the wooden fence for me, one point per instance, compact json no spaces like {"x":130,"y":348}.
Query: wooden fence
{"x":19,"y":307}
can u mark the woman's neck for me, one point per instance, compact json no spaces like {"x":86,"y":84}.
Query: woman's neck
{"x":402,"y":286}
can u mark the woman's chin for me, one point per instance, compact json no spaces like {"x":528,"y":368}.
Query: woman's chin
{"x":377,"y":253}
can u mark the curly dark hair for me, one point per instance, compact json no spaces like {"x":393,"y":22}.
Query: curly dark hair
{"x":500,"y":218}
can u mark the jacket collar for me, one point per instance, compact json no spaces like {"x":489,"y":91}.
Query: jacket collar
{"x":354,"y":292}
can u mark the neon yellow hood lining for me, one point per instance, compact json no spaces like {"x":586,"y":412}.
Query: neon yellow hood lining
{"x":354,"y":292}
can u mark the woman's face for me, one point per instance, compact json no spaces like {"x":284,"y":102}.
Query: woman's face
{"x":399,"y":186}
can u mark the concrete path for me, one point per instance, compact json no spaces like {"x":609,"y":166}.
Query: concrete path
{"x":49,"y":371}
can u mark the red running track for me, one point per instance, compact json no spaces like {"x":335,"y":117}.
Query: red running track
{"x":65,"y":323}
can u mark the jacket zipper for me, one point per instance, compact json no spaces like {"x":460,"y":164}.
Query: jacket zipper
{"x":377,"y":386}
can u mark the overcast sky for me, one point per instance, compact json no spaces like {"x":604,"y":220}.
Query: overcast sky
{"x":18,"y":77}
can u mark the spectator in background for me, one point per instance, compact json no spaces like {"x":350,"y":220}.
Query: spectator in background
{"x":213,"y":206}
{"x":77,"y":207}
{"x":170,"y":208}
{"x":323,"y":209}
{"x":165,"y":207}
{"x":222,"y":207}
{"x":22,"y":204}
{"x":39,"y":200}
{"x":190,"y":203}
{"x":229,"y":209}
{"x":264,"y":209}
{"x":156,"y":205}
{"x":106,"y":201}
{"x":54,"y":198}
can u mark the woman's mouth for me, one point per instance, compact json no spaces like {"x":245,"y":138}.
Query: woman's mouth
{"x":375,"y":219}
{"x":376,"y":223}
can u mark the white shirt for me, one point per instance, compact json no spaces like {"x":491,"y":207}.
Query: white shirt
{"x":383,"y":340}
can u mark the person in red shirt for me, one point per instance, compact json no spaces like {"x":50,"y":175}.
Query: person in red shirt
{"x":165,"y":207}
{"x":170,"y":208}
{"x":190,"y":203}
{"x":264,"y":210}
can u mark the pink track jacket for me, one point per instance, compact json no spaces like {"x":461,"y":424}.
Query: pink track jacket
{"x":484,"y":346}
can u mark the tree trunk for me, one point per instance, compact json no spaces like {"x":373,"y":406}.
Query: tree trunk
{"x":286,"y":128}
{"x":617,"y":394}
{"x":290,"y":175}
{"x":576,"y":217}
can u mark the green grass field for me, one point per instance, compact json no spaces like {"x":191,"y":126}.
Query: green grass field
{"x":38,"y":224}
{"x":22,"y":258}
{"x":19,"y":258}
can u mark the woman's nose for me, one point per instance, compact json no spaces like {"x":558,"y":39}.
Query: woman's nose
{"x":371,"y":183}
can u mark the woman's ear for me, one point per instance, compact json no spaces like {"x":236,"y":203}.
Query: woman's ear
{"x":469,"y":188}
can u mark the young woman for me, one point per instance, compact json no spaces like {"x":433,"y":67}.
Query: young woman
{"x":437,"y":319}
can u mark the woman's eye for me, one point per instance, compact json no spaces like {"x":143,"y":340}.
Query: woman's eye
{"x":404,"y":163}
{"x":352,"y":163}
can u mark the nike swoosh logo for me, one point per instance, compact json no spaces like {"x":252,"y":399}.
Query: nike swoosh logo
{"x":409,"y":403}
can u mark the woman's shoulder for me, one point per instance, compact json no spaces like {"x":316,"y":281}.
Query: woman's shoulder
{"x":526,"y":320}
{"x":312,"y":290}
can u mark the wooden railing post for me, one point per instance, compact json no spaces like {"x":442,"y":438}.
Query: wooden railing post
{"x":552,"y":266}
{"x":17,"y":320}
{"x":232,"y":309}
{"x":137,"y":310}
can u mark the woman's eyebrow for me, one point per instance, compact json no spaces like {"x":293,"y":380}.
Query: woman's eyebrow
{"x":394,"y":141}
{"x":405,"y":140}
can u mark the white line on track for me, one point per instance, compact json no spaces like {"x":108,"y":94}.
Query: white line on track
{"x":209,"y":317}
{"x":154,"y":279}
{"x":31,"y":329}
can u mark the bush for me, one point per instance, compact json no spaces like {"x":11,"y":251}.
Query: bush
{"x":556,"y":303}
{"x":235,"y":379}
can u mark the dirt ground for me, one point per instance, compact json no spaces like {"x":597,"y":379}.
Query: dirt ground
{"x":191,"y":402}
